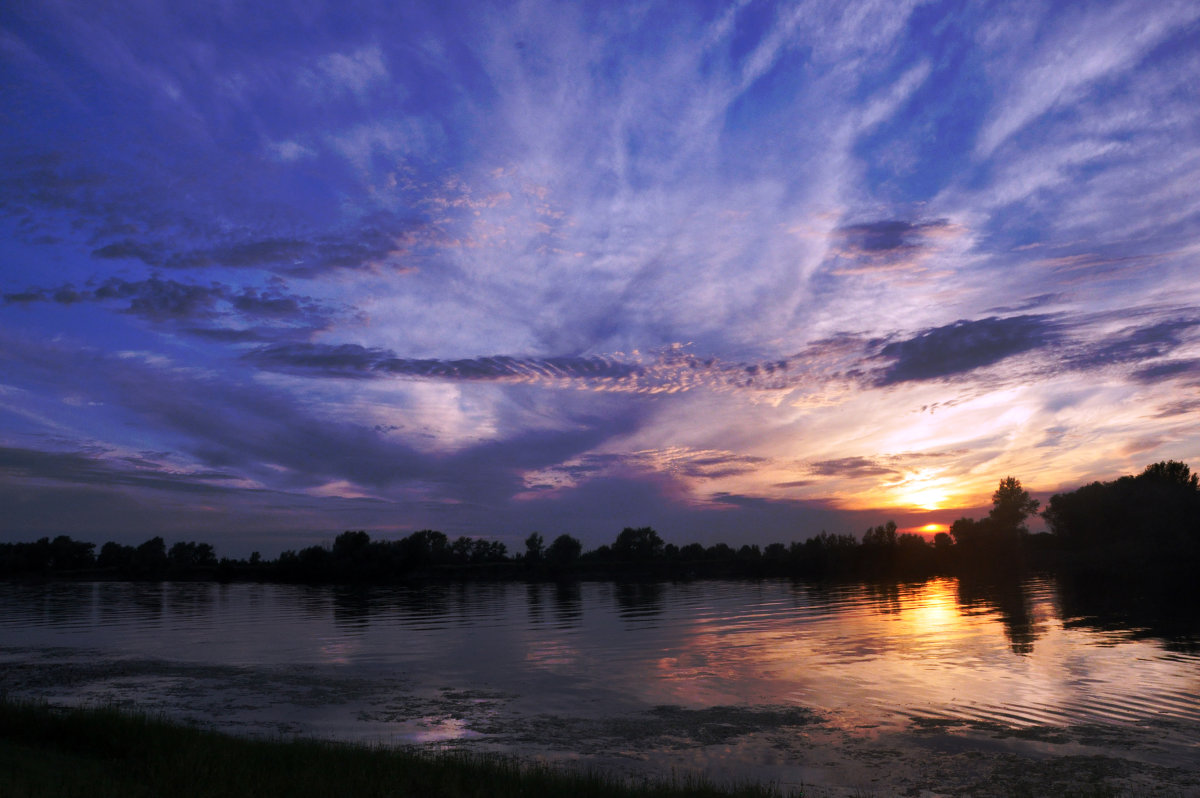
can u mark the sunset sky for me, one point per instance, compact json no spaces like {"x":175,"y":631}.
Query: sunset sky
{"x":737,"y":271}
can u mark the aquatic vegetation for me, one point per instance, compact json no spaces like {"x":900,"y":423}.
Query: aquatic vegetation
{"x":103,"y":752}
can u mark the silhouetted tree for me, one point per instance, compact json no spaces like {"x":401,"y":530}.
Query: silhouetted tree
{"x":488,"y":551}
{"x":883,"y":536}
{"x":1172,"y":473}
{"x":534,"y":548}
{"x":114,"y":555}
{"x":996,"y":541}
{"x":425,"y":548}
{"x":71,"y":555}
{"x":826,"y":554}
{"x":776,"y":556}
{"x":943,"y":551}
{"x":314,"y":562}
{"x":187,"y":554}
{"x":150,"y":558}
{"x":1011,"y":505}
{"x":749,"y":553}
{"x":45,"y":555}
{"x":1153,"y":515}
{"x":563,"y":551}
{"x":638,"y":545}
{"x":460,"y":550}
{"x":720,"y":552}
{"x":350,"y":544}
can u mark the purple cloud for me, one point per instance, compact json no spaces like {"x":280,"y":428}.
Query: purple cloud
{"x":957,"y":349}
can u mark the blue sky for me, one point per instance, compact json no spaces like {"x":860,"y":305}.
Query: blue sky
{"x":739,"y":271}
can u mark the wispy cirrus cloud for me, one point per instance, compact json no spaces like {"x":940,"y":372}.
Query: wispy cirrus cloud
{"x":1097,"y":43}
{"x":353,"y":73}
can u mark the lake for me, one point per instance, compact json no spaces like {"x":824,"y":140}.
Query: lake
{"x":940,"y":686}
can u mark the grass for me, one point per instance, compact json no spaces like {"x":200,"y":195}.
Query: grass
{"x":104,"y":752}
{"x":100,"y":752}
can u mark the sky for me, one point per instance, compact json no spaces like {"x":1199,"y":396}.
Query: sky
{"x":740,"y":271}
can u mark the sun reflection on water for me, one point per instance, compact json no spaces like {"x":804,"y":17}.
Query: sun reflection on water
{"x":885,"y":656}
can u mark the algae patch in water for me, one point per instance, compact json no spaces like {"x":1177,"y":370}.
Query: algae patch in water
{"x":661,"y":728}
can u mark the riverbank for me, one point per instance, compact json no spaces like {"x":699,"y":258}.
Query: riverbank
{"x":101,"y":752}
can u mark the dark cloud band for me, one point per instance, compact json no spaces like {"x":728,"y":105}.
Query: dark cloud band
{"x":964,"y":346}
{"x":159,"y":299}
{"x":353,"y":360}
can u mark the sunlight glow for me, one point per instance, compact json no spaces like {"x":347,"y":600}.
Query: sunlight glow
{"x":930,"y":499}
{"x":923,"y":489}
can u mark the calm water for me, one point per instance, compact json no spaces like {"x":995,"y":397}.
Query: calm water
{"x":769,"y":679}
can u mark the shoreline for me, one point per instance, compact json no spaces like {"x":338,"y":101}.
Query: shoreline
{"x":106,"y":750}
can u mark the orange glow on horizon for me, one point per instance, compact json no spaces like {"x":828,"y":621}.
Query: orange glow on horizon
{"x":927,"y":531}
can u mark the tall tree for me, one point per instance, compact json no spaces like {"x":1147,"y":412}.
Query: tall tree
{"x":1011,"y":505}
{"x":534,"y":548}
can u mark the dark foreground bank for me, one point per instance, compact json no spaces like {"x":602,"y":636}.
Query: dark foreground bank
{"x":51,"y":752}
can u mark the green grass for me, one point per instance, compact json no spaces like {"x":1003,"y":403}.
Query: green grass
{"x":100,"y":752}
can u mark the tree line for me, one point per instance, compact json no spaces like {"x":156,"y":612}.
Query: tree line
{"x":1150,"y":519}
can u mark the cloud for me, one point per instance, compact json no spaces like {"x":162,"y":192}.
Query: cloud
{"x":888,"y":237}
{"x":84,"y":468}
{"x":72,"y":494}
{"x":128,"y":217}
{"x":352,"y":73}
{"x":1074,"y":51}
{"x":160,"y":300}
{"x":1136,"y":344}
{"x":964,"y":346}
{"x":1185,"y":408}
{"x":670,"y":370}
{"x":364,"y":248}
{"x":888,"y":243}
{"x":852,"y":467}
{"x":353,"y":360}
{"x":248,"y":335}
{"x":587,"y":206}
{"x":1171,"y":369}
{"x":716,"y":465}
{"x":290,"y":150}
{"x":228,"y":424}
{"x":663,"y":502}
{"x":25,"y":297}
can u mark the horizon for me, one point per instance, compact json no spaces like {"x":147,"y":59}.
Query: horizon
{"x":740,"y":273}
